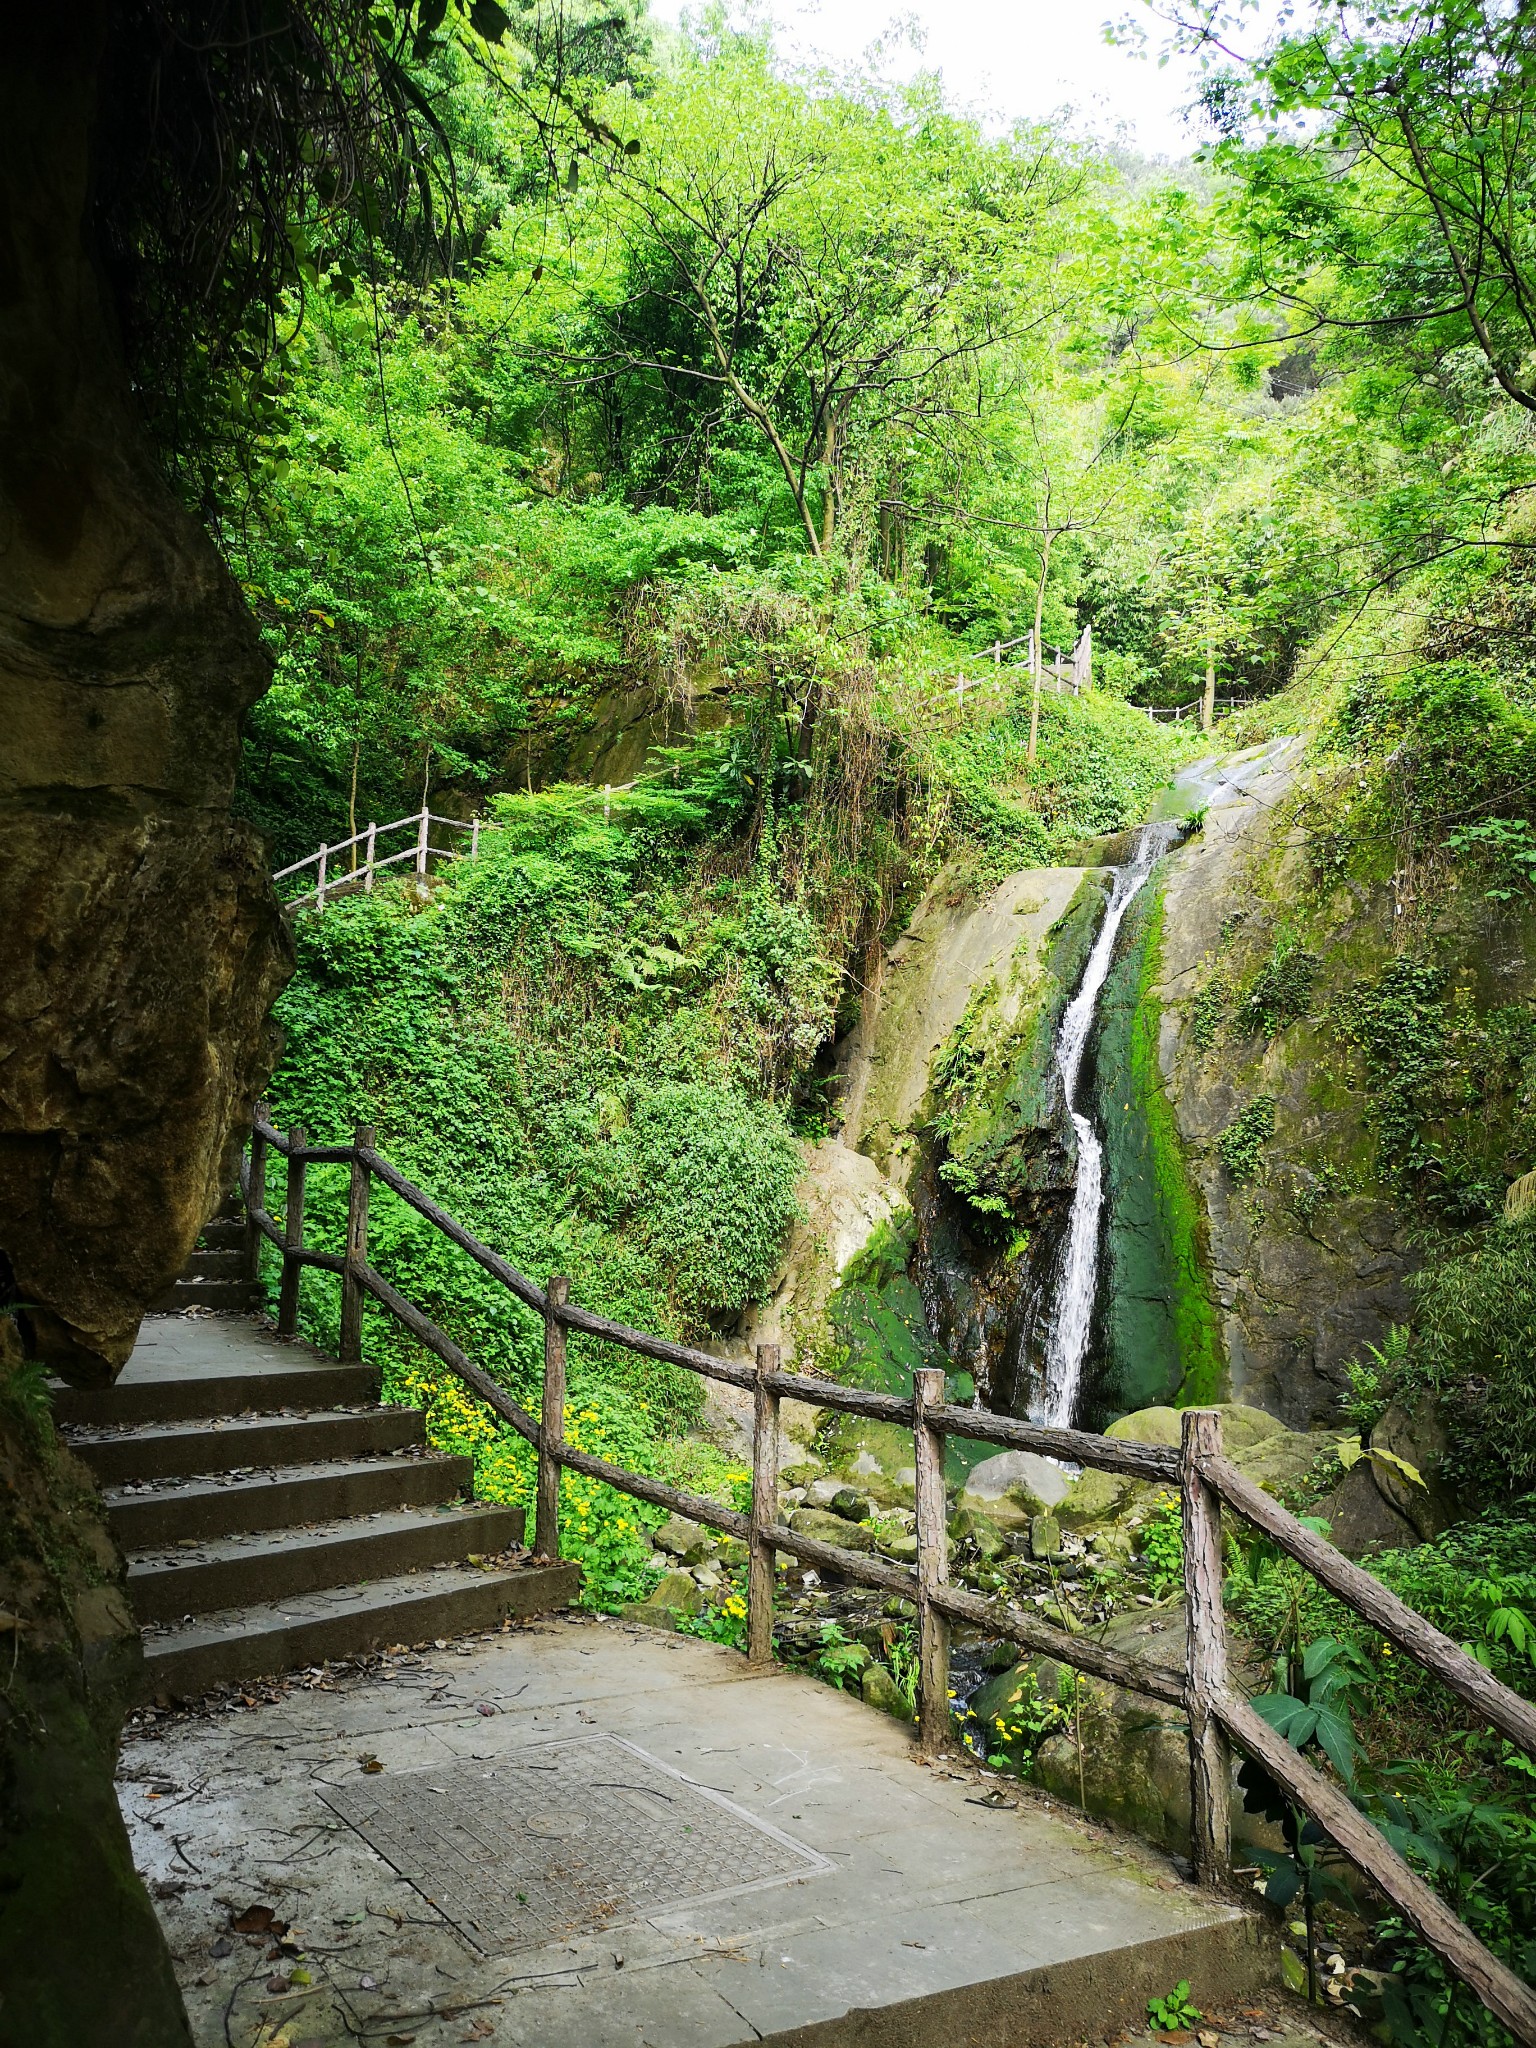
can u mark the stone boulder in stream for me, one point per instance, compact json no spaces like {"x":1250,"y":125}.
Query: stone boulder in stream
{"x":1013,"y":1488}
{"x":1273,"y":1456}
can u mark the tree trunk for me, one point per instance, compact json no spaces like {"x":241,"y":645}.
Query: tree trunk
{"x":1208,"y":701}
{"x":1038,"y":659}
{"x":140,"y":949}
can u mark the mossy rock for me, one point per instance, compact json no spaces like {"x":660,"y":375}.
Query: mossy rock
{"x":880,"y":1690}
{"x":1281,"y":1462}
{"x":1095,"y":1497}
{"x":822,"y":1527}
{"x":968,"y":1525}
{"x":1241,"y":1427}
{"x":1135,"y":1752}
{"x":678,"y":1591}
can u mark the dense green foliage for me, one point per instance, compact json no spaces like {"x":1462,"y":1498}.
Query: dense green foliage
{"x":728,"y":426}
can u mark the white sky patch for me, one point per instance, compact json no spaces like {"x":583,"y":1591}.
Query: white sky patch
{"x":1003,"y":59}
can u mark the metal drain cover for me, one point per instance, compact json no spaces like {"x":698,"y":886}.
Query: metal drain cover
{"x":564,"y":1838}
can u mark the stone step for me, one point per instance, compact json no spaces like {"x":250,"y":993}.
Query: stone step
{"x":222,"y":1504}
{"x":178,"y":1450}
{"x":230,"y":1297}
{"x":286,"y":1635}
{"x":223,"y":1233}
{"x":177,"y":1392}
{"x":214,"y":1262}
{"x":240,"y":1571}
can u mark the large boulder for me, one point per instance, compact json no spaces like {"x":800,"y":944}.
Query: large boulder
{"x":1273,"y":1456}
{"x":1360,"y":1521}
{"x":1014,"y":1487}
{"x":1416,"y":1432}
{"x":1133,"y":1766}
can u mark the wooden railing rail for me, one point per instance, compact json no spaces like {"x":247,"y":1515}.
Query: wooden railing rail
{"x":1206,"y":1480}
{"x":332,"y":878}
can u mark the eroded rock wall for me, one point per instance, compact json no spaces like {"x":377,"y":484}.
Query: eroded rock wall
{"x":1308,"y":1256}
{"x":140,"y":948}
{"x":141,"y":944}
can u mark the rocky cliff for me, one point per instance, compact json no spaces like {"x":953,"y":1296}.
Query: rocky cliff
{"x":139,"y":952}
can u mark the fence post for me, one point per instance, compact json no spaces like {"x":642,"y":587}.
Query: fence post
{"x":421,"y":842}
{"x":373,"y":834}
{"x":293,"y":1236}
{"x":474,"y":839}
{"x":546,"y":1519}
{"x":320,"y":883}
{"x":1210,"y":1767}
{"x":765,"y":1509}
{"x":255,"y":1195}
{"x":932,"y":1563}
{"x":350,"y":1349}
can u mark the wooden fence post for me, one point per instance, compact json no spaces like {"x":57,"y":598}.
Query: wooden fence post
{"x":474,"y":839}
{"x":373,"y":837}
{"x":293,"y":1237}
{"x":350,"y":1349}
{"x":320,"y":883}
{"x":934,"y":1728}
{"x":765,"y":1510}
{"x":255,"y":1195}
{"x":421,"y":842}
{"x":1205,"y":1670}
{"x":546,"y":1521}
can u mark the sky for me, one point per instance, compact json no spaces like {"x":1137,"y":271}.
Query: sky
{"x":1002,"y":58}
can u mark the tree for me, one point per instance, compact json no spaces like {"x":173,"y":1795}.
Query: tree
{"x":811,"y":268}
{"x":1387,"y":151}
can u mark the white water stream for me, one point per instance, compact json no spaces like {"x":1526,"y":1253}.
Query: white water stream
{"x":1077,"y":1286}
{"x":1212,"y":784}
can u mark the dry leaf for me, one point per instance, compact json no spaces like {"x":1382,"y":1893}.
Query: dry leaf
{"x":255,"y":1920}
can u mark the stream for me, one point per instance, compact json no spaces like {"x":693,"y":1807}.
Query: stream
{"x":1024,"y":1315}
{"x":1074,"y":1291}
{"x":1071,"y":1316}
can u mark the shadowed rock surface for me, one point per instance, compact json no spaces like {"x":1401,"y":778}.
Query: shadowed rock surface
{"x":140,"y":949}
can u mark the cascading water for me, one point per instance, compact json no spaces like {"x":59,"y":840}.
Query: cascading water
{"x":1077,"y":1285}
{"x":1205,"y":785}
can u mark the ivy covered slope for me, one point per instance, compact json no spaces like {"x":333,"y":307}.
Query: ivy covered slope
{"x":1346,"y":986}
{"x":605,"y":1044}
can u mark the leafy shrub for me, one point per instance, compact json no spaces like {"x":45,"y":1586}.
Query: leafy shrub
{"x":1209,"y":1010}
{"x":1476,"y":1339}
{"x":1431,"y":1060}
{"x":715,"y":1186}
{"x":1241,"y":1144}
{"x":1280,"y":991}
{"x":1505,"y":848}
{"x":1162,"y":1547}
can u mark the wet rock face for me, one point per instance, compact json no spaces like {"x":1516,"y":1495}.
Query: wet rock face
{"x":1306,"y":1261}
{"x":141,"y":944}
{"x":137,"y":966}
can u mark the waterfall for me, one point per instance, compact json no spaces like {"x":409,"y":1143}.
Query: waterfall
{"x":1078,"y":1275}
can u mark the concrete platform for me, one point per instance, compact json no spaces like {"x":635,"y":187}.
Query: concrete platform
{"x":736,"y":1858}
{"x":185,"y":1367}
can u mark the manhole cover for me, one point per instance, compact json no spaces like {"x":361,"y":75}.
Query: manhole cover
{"x":564,"y":1839}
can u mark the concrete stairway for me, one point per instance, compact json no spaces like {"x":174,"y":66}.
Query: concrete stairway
{"x":215,"y":1275}
{"x":275,"y":1515}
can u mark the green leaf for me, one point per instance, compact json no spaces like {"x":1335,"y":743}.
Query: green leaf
{"x":1410,"y":1472}
{"x":1337,"y":1739}
{"x":489,"y":20}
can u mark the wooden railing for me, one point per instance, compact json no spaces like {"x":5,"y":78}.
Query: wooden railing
{"x":1219,"y":1715}
{"x":335,"y":875}
{"x":1175,"y":714}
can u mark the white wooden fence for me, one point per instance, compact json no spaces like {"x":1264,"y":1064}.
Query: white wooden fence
{"x":336,"y":875}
